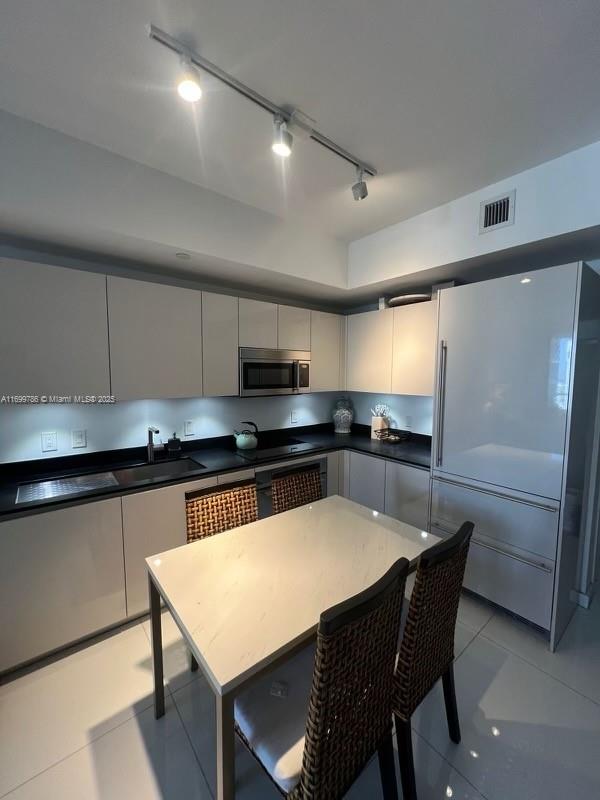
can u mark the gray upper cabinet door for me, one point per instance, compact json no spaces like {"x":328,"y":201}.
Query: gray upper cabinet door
{"x":220,"y":349}
{"x":367,"y":481}
{"x":407,"y":494}
{"x":369,"y":351}
{"x":258,"y":323}
{"x":326,"y":351}
{"x":62,"y":578}
{"x":155,"y":340}
{"x":293,"y":328}
{"x":413,"y":359}
{"x":153,"y":521}
{"x":53,"y":330}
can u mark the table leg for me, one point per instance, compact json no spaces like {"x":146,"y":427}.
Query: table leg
{"x":157,"y":652}
{"x":225,"y":748}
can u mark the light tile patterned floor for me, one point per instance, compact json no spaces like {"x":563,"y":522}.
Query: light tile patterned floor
{"x":82,"y":727}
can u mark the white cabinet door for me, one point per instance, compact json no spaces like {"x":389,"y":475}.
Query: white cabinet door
{"x":407,"y":494}
{"x":326,"y":351}
{"x":258,"y":323}
{"x":413,"y":361}
{"x":367,"y":481}
{"x":369,"y":351}
{"x":293,"y":328}
{"x":153,"y":521}
{"x":155,"y":340}
{"x":62,"y":578}
{"x":220,"y":368}
{"x":508,"y":363}
{"x":53,"y":330}
{"x":334,"y":473}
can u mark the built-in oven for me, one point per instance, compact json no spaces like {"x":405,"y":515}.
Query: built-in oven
{"x":267,"y":372}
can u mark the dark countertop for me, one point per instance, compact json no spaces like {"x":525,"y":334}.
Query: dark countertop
{"x":214,"y":456}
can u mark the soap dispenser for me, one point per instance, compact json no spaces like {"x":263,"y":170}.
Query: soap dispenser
{"x":174,"y":445}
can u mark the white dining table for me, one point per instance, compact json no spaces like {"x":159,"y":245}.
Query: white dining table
{"x":247,"y":599}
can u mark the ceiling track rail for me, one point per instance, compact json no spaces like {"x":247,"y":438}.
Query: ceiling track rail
{"x":258,"y":99}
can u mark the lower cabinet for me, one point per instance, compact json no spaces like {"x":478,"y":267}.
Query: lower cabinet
{"x":366,"y":481}
{"x":407,"y":494}
{"x":153,"y":521}
{"x":62,"y":578}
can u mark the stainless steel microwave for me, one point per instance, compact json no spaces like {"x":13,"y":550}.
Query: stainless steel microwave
{"x":267,"y":372}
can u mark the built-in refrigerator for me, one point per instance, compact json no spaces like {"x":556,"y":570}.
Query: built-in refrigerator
{"x":516,"y":384}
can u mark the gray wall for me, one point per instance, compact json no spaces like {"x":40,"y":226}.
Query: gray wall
{"x":125,"y":424}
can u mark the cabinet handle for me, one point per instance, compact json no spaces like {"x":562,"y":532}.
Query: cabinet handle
{"x":501,"y":495}
{"x":537,"y":564}
{"x":441,"y":402}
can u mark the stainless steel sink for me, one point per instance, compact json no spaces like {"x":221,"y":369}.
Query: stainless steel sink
{"x":163,"y":469}
{"x":58,"y":487}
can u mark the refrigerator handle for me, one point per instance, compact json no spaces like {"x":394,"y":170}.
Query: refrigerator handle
{"x":441,"y":402}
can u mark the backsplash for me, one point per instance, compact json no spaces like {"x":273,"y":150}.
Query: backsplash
{"x":409,"y":412}
{"x":126,"y":424}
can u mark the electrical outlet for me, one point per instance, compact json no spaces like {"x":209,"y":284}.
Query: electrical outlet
{"x":79,"y":438}
{"x":49,"y":441}
{"x":293,"y":417}
{"x":188,"y":427}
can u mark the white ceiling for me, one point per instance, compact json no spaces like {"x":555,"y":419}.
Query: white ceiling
{"x":442,"y":97}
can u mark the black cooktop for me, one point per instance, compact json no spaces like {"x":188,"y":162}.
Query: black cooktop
{"x":267,"y":452}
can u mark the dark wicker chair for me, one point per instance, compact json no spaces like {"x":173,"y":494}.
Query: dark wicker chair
{"x":427,"y":648}
{"x":333,"y":710}
{"x":296,"y":488}
{"x":215,"y":510}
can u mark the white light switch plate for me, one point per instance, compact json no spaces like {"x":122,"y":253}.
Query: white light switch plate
{"x":79,"y":438}
{"x":49,"y":441}
{"x":188,"y":427}
{"x":293,"y":417}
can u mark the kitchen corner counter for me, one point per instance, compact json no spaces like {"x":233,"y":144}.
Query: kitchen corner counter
{"x":213,"y":456}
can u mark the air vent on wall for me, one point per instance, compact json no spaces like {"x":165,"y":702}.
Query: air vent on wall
{"x":497,"y":213}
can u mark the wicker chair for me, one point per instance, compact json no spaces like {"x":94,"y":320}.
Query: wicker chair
{"x":427,"y":648}
{"x":296,"y":488}
{"x":314,"y":723}
{"x":215,"y":510}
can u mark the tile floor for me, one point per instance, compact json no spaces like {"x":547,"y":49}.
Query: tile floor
{"x":83,"y":728}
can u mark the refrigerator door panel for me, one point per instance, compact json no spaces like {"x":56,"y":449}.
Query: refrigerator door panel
{"x":504,"y":369}
{"x":511,"y":582}
{"x":512,"y":554}
{"x":530,"y":525}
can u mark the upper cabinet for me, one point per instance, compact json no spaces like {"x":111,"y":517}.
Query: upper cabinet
{"x":413,"y":359}
{"x":327,"y":351}
{"x":53,"y":330}
{"x":155,"y":340}
{"x":369,"y":351}
{"x":293,"y":328}
{"x":220,"y":371}
{"x":258,"y":323}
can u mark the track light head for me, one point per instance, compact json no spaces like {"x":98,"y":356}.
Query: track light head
{"x":359,"y":189}
{"x":282,"y":138}
{"x":188,"y":85}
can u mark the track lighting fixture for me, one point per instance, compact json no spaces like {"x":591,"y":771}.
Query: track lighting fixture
{"x":188,"y":86}
{"x":359,"y":189}
{"x":282,"y":138}
{"x":287,"y":122}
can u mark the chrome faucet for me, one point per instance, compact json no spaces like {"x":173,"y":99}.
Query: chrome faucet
{"x":151,"y":431}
